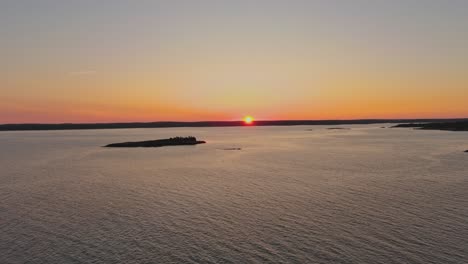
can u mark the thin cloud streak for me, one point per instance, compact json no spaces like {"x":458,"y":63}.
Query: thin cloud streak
{"x":82,"y":73}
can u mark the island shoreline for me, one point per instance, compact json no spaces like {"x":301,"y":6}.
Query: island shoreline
{"x":175,"y":141}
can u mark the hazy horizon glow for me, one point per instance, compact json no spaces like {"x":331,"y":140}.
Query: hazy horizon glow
{"x":180,"y":60}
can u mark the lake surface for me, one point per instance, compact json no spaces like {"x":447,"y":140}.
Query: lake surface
{"x":363,"y":195}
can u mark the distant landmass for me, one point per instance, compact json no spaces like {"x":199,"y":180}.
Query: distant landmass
{"x":175,"y":141}
{"x":458,"y":125}
{"x":70,"y":126}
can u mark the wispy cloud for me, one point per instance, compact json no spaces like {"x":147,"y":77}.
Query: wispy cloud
{"x":82,"y":73}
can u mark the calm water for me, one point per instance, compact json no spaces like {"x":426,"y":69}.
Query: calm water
{"x":364,"y":195}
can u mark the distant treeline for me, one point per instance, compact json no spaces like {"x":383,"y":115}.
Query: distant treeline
{"x":459,"y":125}
{"x":189,"y":138}
{"x":69,"y":126}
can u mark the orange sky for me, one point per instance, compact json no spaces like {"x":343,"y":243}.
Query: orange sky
{"x":163,"y":60}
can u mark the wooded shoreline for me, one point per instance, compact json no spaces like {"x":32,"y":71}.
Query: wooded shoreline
{"x":71,"y":126}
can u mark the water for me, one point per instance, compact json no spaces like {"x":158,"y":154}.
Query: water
{"x":364,"y":195}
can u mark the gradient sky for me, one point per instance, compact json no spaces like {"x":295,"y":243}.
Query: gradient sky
{"x":106,"y":61}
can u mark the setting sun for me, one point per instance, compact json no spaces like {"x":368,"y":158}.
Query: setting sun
{"x":248,"y":120}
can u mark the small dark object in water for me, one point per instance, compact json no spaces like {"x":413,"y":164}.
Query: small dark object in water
{"x":337,"y":128}
{"x":176,"y":141}
{"x":382,"y":127}
{"x":466,"y":151}
{"x":309,"y":130}
{"x":232,"y":149}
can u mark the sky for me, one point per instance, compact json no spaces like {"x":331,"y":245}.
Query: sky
{"x":187,"y":60}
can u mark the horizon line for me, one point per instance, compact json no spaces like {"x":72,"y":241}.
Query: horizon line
{"x":233,"y":121}
{"x":167,"y":124}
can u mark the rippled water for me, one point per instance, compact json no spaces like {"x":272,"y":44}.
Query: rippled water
{"x":365,"y":195}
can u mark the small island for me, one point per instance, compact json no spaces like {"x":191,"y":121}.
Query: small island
{"x":175,"y":141}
